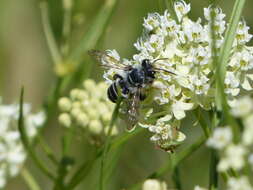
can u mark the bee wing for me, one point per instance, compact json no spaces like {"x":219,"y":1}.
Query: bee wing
{"x":107,"y":61}
{"x":133,"y":111}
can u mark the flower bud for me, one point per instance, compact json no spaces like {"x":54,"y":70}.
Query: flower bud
{"x":65,"y":119}
{"x":64,"y":104}
{"x":95,"y":126}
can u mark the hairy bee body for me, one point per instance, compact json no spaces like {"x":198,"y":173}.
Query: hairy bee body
{"x":135,"y":78}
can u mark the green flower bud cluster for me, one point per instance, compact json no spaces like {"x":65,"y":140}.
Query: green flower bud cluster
{"x":87,"y":107}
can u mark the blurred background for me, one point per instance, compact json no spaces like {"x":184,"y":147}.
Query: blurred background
{"x":25,"y":60}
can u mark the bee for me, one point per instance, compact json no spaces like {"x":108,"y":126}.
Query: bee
{"x":131,"y":84}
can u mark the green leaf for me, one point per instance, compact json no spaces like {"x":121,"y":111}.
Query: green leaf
{"x":222,"y":66}
{"x":25,"y":141}
{"x":90,"y":39}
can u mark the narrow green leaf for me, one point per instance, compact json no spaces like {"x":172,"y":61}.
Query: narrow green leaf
{"x":26,"y":144}
{"x":229,"y":38}
{"x":52,"y":45}
{"x":222,"y":65}
{"x":90,"y":39}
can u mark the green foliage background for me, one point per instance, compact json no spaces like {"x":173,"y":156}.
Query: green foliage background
{"x":25,"y":60}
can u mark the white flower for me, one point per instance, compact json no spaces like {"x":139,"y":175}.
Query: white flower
{"x":250,"y":159}
{"x":12,"y":153}
{"x":222,"y":136}
{"x":152,"y":21}
{"x":153,"y":184}
{"x":199,"y":188}
{"x":241,"y":183}
{"x":233,"y":158}
{"x":184,"y":47}
{"x":232,"y":84}
{"x":218,"y":15}
{"x":242,"y":106}
{"x":248,"y":130}
{"x":242,"y":35}
{"x":179,"y":108}
{"x":193,"y":30}
{"x":181,"y":9}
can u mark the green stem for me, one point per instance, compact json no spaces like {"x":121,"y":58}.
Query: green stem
{"x":47,"y":150}
{"x":203,"y":124}
{"x":56,"y":56}
{"x":66,"y":29}
{"x":25,"y":141}
{"x":65,"y":160}
{"x":176,"y":178}
{"x":107,"y":143}
{"x":213,"y":177}
{"x":29,"y":179}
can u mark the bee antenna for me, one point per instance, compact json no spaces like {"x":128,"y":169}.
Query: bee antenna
{"x":159,"y":59}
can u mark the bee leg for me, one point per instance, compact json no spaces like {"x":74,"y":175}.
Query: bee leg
{"x":142,"y":97}
{"x":117,"y":76}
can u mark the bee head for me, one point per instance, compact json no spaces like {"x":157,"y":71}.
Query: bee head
{"x":148,"y":68}
{"x":146,"y":63}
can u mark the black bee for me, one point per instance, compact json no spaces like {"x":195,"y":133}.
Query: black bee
{"x":131,"y":83}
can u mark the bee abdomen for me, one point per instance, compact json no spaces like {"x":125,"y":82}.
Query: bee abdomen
{"x":112,"y":92}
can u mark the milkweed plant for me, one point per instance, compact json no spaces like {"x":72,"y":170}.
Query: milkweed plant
{"x":208,"y":65}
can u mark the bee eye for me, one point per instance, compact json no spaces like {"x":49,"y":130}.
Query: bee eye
{"x":145,"y":62}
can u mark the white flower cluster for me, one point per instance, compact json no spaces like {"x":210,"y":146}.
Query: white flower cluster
{"x":87,"y":107}
{"x":153,"y":184}
{"x":167,"y":135}
{"x":240,"y":155}
{"x":184,"y":48}
{"x":12,"y":153}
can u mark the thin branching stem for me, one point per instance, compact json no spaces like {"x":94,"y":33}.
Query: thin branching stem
{"x":173,"y":161}
{"x":45,"y":147}
{"x":29,"y":179}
